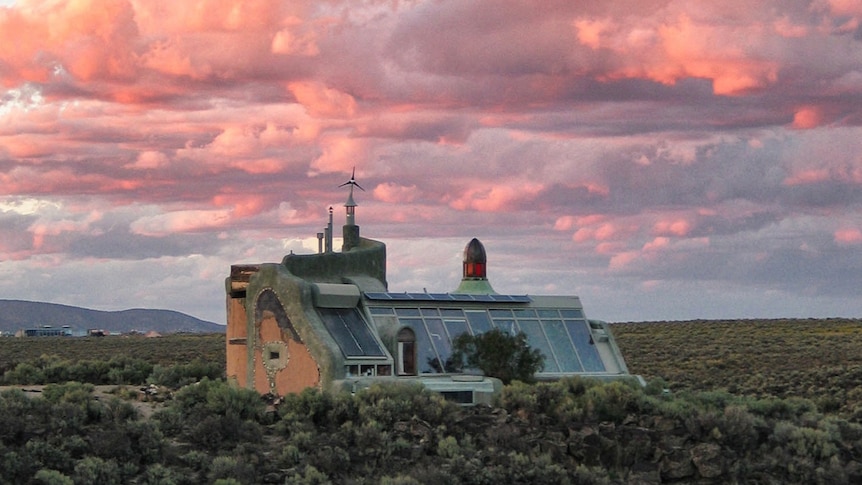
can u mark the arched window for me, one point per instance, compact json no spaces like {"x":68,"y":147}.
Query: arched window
{"x":406,"y":352}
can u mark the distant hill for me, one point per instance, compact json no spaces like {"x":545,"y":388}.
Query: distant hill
{"x":17,"y":315}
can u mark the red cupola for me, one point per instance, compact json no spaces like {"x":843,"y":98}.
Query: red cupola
{"x":475,"y":260}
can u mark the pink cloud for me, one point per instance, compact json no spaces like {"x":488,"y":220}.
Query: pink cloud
{"x":672,"y":227}
{"x":657,"y":244}
{"x":622,"y":260}
{"x":807,"y":117}
{"x":845,"y":173}
{"x":808,"y":177}
{"x":849,"y":236}
{"x":150,"y":160}
{"x":46,"y":226}
{"x":243,"y":205}
{"x":609,"y":247}
{"x":340,"y":154}
{"x":844,"y":7}
{"x":601,"y":232}
{"x":564,"y":223}
{"x":495,"y":198}
{"x":295,"y":39}
{"x":394,"y":193}
{"x":181,"y":221}
{"x":322,"y":101}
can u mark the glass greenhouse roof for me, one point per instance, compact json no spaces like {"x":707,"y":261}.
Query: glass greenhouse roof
{"x":562,"y":334}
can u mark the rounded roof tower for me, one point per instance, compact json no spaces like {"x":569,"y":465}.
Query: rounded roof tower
{"x":474,"y":279}
{"x":475,"y":259}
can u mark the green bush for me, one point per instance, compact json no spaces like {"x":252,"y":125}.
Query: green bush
{"x":179,"y":375}
{"x":498,"y":354}
{"x":52,"y":477}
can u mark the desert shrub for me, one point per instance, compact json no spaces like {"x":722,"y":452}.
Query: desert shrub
{"x":128,"y":370}
{"x":158,"y":474}
{"x":781,"y":409}
{"x":612,"y":401}
{"x":41,"y":453}
{"x":334,"y":461}
{"x":803,"y":441}
{"x":52,"y":477}
{"x":72,"y":392}
{"x":448,"y":447}
{"x":179,"y":375}
{"x":24,"y":374}
{"x":91,"y":371}
{"x":738,"y":427}
{"x":48,"y":369}
{"x":96,"y":470}
{"x":309,"y":475}
{"x":399,"y":480}
{"x":311,"y":406}
{"x":518,"y":396}
{"x":391,"y":403}
{"x":213,"y":414}
{"x":498,"y":354}
{"x":229,"y":467}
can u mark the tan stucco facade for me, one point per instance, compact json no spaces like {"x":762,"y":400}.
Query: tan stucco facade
{"x":277,"y":342}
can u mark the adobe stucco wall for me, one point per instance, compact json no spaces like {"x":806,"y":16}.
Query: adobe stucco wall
{"x":237,"y":345}
{"x":283,"y":315}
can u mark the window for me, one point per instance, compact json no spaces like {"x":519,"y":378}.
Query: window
{"x":562,"y":334}
{"x":406,"y":352}
{"x":350,"y":332}
{"x":460,"y":397}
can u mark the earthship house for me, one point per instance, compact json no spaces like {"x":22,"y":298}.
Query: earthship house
{"x":328,"y":320}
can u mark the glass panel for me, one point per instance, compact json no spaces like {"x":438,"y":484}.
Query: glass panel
{"x":339,"y":331}
{"x":460,"y":397}
{"x":451,"y":312}
{"x":456,"y":328}
{"x":407,"y":312}
{"x":507,"y":326}
{"x":376,"y":310}
{"x":429,"y":312}
{"x":572,"y":313}
{"x":479,"y":321}
{"x":350,"y":332}
{"x":582,"y":339}
{"x":441,"y":343}
{"x":425,"y":353}
{"x":566,"y":355}
{"x":536,"y":339}
{"x":525,"y":313}
{"x":496,"y":313}
{"x":548,"y":313}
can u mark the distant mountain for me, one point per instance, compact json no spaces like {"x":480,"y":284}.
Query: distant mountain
{"x":18,"y":315}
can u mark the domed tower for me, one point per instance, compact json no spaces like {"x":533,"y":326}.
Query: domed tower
{"x":475,"y":279}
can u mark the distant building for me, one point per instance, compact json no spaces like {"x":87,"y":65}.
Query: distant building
{"x":47,"y":331}
{"x":328,"y":320}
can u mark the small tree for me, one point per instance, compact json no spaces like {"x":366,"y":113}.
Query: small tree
{"x":498,"y":354}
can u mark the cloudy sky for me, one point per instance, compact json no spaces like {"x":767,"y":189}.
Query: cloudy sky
{"x":662,"y":159}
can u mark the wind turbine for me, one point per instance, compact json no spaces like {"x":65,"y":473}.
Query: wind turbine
{"x":352,"y":182}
